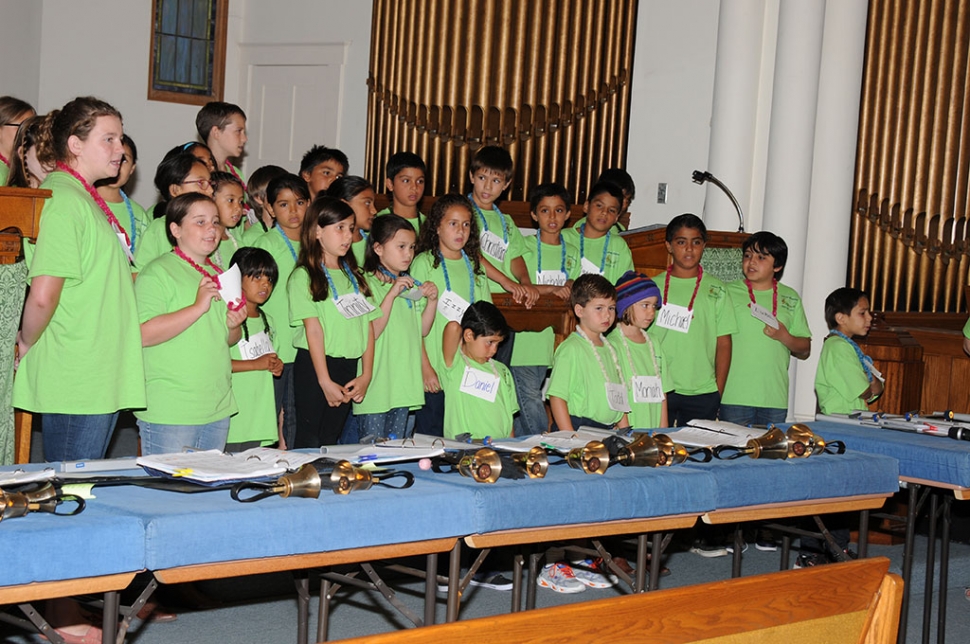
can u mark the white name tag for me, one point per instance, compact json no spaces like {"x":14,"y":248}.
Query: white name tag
{"x":589,"y":268}
{"x":494,"y":246}
{"x":258,"y":345}
{"x":551,"y":278}
{"x":647,"y":389}
{"x":616,"y":397}
{"x":452,"y":306}
{"x":124,"y":244}
{"x":353,"y":305}
{"x":761,"y":313}
{"x":876,"y":373}
{"x":674,"y":317}
{"x":414,"y":294}
{"x":479,"y":384}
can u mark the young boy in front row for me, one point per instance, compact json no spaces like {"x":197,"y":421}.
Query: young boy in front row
{"x":772,"y":328}
{"x":321,"y":166}
{"x":405,"y":181}
{"x":602,"y":251}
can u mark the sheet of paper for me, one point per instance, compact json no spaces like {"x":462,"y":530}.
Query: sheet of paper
{"x":230,"y":283}
{"x":212,"y":465}
{"x":20,"y":477}
{"x":717,"y":433}
{"x":380,"y":453}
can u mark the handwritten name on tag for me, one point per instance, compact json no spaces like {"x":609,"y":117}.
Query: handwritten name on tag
{"x":479,"y":384}
{"x":647,"y":389}
{"x":674,"y":317}
{"x":452,"y":306}
{"x":587,"y":267}
{"x":494,"y":246}
{"x":353,"y":305}
{"x":551,"y":278}
{"x":761,"y":313}
{"x":616,"y":397}
{"x":258,"y":345}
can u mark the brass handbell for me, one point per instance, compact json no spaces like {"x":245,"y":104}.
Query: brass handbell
{"x":340,"y":476}
{"x":485,"y":465}
{"x":802,"y":442}
{"x":535,"y":463}
{"x":773,"y":444}
{"x":44,"y":499}
{"x":643,"y":452}
{"x":674,"y":453}
{"x":594,"y":458}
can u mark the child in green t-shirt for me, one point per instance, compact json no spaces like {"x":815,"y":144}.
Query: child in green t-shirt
{"x":405,"y":180}
{"x":637,"y":302}
{"x":129,"y":214}
{"x":223,"y":128}
{"x":228,"y":193}
{"x":258,"y":218}
{"x":407,"y":312}
{"x":622,"y":180}
{"x":321,"y":166}
{"x":358,"y":193}
{"x":772,"y":328}
{"x":602,"y":251}
{"x":587,"y":385}
{"x":846,"y":380}
{"x":254,"y":358}
{"x":479,"y":393}
{"x":694,"y":326}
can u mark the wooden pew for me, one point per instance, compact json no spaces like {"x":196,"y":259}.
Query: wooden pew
{"x":852,"y":602}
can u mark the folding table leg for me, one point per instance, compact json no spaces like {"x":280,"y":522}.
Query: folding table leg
{"x":930,"y":563}
{"x":430,"y":588}
{"x":109,"y":625}
{"x":454,"y":571}
{"x":944,"y":567}
{"x":656,"y":552}
{"x":785,"y":551}
{"x":738,"y":547}
{"x":517,"y":565}
{"x":302,"y":583}
{"x":323,"y":613}
{"x":907,"y":560}
{"x":530,"y":592}
{"x":863,"y":534}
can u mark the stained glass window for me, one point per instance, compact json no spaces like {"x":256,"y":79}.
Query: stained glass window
{"x":188,"y":50}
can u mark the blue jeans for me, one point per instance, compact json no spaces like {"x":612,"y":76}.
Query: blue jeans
{"x":745,"y":415}
{"x":74,"y":437}
{"x":352,"y":431}
{"x":377,"y":426}
{"x":157,"y":438}
{"x":682,"y":409}
{"x":579,"y":421}
{"x":285,"y":401}
{"x":532,"y":418}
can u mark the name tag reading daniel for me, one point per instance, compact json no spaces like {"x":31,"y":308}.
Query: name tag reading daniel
{"x":479,"y":384}
{"x":494,"y":246}
{"x":761,"y":313}
{"x":674,"y":317}
{"x":550,"y":278}
{"x":353,"y":305}
{"x":647,"y":389}
{"x":452,"y":306}
{"x":616,"y":397}
{"x":258,"y":345}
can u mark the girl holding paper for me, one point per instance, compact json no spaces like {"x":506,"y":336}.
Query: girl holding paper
{"x":186,"y":332}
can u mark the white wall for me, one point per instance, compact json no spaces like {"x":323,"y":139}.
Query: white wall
{"x":20,"y":49}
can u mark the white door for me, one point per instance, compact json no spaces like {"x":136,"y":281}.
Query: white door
{"x":292,"y":101}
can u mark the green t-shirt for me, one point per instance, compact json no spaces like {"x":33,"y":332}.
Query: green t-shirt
{"x":759,"y":364}
{"x":577,"y":379}
{"x":536,"y":349}
{"x":966,"y":329}
{"x":88,"y":360}
{"x":126,"y":218}
{"x":227,"y":248}
{"x":689,"y":357}
{"x":357,"y":248}
{"x":840,"y":379}
{"x":342,"y":338}
{"x":635,"y":360}
{"x":285,"y":251}
{"x":457,"y":270}
{"x":397,"y":378}
{"x":255,"y":397}
{"x":613,"y":264}
{"x":617,"y":227}
{"x":249,"y":235}
{"x":154,"y":243}
{"x":4,"y":173}
{"x":467,"y":413}
{"x":188,"y":378}
{"x":417,"y":222}
{"x":495,"y":222}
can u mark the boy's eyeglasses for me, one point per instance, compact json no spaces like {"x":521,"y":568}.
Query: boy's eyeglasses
{"x":203,"y":183}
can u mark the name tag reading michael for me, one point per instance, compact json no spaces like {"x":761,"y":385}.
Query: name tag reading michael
{"x":761,"y":313}
{"x":494,"y":246}
{"x":353,"y":305}
{"x":674,"y":317}
{"x":479,"y":384}
{"x":647,"y":389}
{"x":587,"y":267}
{"x":616,"y":397}
{"x":452,"y":306}
{"x":258,"y":345}
{"x":550,"y":278}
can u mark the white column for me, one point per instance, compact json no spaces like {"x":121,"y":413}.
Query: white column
{"x":740,"y":33}
{"x":833,"y":169}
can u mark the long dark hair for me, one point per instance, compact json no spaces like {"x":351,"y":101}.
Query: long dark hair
{"x":382,"y":231}
{"x":324,"y":211}
{"x":172,"y":172}
{"x":428,"y":240}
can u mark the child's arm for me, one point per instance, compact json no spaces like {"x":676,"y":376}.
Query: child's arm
{"x":664,"y":418}
{"x":624,"y":422}
{"x":449,"y":342}
{"x":428,"y":375}
{"x":519,"y":293}
{"x":722,"y":361}
{"x":162,"y":328}
{"x":560,"y":414}
{"x":401,"y":284}
{"x":357,"y":388}
{"x":234,"y":320}
{"x":269,"y":362}
{"x":333,"y":392}
{"x":798,"y":347}
{"x":430,"y":291}
{"x":45,"y":295}
{"x":521,"y":272}
{"x":874,"y":390}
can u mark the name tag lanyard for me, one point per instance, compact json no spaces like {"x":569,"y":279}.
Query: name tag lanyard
{"x":491,"y":365}
{"x":582,"y":249}
{"x":562,"y":245}
{"x":388,"y":273}
{"x":774,"y":295}
{"x":863,"y":358}
{"x":131,"y":217}
{"x":471,"y":274}
{"x":286,"y":239}
{"x":262,"y":316}
{"x":235,"y":245}
{"x":481,"y":215}
{"x":350,"y":276}
{"x":599,"y":360}
{"x":629,"y":354}
{"x":697,"y":285}
{"x":103,"y":205}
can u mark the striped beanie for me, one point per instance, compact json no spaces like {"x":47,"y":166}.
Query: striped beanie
{"x":633,"y":287}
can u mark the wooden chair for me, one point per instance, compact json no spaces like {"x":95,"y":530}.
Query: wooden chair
{"x":851,"y":602}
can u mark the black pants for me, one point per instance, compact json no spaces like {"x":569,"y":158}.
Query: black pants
{"x":317,"y":423}
{"x":682,"y":409}
{"x":430,"y":419}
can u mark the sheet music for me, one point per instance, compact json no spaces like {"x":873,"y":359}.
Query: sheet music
{"x":20,"y":477}
{"x":708,"y":433}
{"x":210,"y":466}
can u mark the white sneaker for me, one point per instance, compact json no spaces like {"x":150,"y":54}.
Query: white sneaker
{"x":590,"y":572}
{"x":560,"y":578}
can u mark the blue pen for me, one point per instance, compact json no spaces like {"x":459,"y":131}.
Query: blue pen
{"x":368,"y":457}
